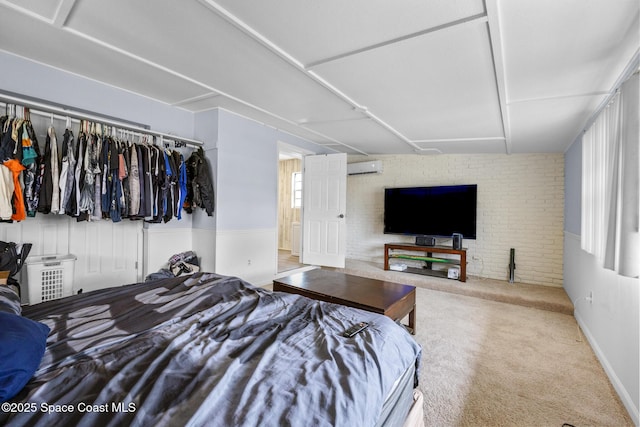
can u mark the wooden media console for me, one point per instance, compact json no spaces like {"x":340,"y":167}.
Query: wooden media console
{"x":408,"y":250}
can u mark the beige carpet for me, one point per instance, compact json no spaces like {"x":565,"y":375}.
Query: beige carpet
{"x":490,"y":363}
{"x":543,"y":297}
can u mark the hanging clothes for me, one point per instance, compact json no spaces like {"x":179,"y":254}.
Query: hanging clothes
{"x":167,"y":186}
{"x":6,"y":193}
{"x":123,"y":178}
{"x":11,"y":159}
{"x":95,"y":176}
{"x":87,"y":193}
{"x":55,"y":171}
{"x":19,"y":211}
{"x":31,"y":174}
{"x":115,"y":188}
{"x":201,"y":182}
{"x":182,"y":183}
{"x":68,"y":170}
{"x":106,"y":187}
{"x":8,"y":143}
{"x":96,"y":162}
{"x":13,"y":198}
{"x":73,"y":207}
{"x":142,"y":173}
{"x":16,"y":136}
{"x":134,"y":182}
{"x":46,"y":189}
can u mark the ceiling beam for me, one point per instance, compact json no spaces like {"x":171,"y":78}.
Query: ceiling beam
{"x":242,"y":26}
{"x":65,"y":7}
{"x":497,"y":54}
{"x":480,"y":17}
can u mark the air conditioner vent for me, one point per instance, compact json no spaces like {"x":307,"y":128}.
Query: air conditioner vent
{"x":361,"y":168}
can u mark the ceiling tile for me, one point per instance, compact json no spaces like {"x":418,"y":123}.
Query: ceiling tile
{"x":564,"y":48}
{"x":426,"y":69}
{"x":437,"y":86}
{"x":210,"y":50}
{"x":271,"y":121}
{"x":364,"y":135}
{"x":44,"y":8}
{"x":66,"y":54}
{"x":550,"y":125}
{"x":313,"y":31}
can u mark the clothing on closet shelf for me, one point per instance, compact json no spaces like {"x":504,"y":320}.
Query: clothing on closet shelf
{"x":97,"y":176}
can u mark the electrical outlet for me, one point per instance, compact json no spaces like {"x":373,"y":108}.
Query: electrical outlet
{"x":248,"y":262}
{"x":590,"y":297}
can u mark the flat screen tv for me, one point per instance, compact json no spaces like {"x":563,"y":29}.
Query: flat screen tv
{"x":431,"y":211}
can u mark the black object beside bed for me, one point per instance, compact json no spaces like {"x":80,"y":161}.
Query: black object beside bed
{"x":214,"y":350}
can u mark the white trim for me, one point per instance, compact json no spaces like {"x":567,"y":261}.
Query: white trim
{"x":627,"y":401}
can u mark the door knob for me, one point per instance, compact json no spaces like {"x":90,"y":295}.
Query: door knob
{"x":341,"y":216}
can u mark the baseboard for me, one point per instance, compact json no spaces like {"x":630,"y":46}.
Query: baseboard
{"x":627,"y":401}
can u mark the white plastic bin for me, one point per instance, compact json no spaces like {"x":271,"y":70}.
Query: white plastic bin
{"x":49,"y":277}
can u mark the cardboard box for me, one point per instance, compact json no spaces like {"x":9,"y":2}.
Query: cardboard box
{"x":4,"y":275}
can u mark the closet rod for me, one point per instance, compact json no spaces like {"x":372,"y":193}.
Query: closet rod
{"x":9,"y":99}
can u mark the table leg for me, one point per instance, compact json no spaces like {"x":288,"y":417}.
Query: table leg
{"x":412,"y":320}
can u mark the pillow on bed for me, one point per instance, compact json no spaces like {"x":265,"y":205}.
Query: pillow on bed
{"x":22,"y":345}
{"x":9,"y":300}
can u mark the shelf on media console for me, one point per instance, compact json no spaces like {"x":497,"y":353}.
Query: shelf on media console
{"x":424,"y":258}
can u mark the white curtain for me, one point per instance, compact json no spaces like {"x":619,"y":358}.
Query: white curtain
{"x":610,"y":183}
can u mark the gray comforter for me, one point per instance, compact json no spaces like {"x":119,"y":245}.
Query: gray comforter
{"x":209,"y":350}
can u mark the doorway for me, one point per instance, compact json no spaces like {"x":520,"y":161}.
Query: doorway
{"x":289,"y":210}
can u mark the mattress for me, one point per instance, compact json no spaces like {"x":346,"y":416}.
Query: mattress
{"x":214,"y":350}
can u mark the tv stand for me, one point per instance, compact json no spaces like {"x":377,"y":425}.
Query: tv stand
{"x":403,"y":251}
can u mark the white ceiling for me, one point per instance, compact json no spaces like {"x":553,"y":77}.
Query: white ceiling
{"x":359,"y":76}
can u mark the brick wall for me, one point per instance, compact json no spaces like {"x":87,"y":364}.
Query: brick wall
{"x":520,"y":206}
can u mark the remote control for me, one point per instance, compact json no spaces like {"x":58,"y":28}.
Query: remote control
{"x":352,"y":330}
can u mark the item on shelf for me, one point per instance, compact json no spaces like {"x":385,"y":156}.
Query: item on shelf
{"x":398,"y":267}
{"x":457,"y":241}
{"x":453,"y":273}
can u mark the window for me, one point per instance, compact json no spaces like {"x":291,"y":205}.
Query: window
{"x":610,"y":183}
{"x":296,"y":190}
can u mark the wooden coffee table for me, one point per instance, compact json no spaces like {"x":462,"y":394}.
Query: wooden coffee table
{"x":391,"y":299}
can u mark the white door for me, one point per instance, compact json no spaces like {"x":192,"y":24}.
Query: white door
{"x":324,"y":233}
{"x":107,"y":253}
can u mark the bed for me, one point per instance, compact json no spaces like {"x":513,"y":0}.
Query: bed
{"x":214,"y":350}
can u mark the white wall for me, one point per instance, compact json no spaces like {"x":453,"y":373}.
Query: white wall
{"x":242,"y":239}
{"x":520,"y":205}
{"x":611,"y":322}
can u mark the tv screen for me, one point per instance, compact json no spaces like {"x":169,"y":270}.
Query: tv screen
{"x":431,"y":211}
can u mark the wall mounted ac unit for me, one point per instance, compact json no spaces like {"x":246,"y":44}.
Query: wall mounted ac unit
{"x":360,"y":168}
